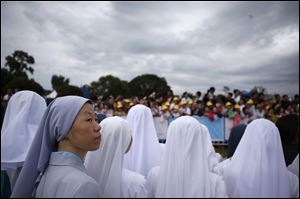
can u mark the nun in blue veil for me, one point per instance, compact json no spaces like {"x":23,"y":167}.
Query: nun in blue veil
{"x":54,"y":165}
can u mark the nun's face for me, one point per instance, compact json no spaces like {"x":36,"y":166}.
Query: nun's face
{"x":85,"y":132}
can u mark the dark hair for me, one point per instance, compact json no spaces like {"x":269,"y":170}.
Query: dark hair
{"x":235,"y":90}
{"x":234,"y":139}
{"x":288,"y":127}
{"x":289,"y":133}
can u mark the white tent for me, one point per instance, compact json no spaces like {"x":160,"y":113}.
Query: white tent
{"x":53,"y":94}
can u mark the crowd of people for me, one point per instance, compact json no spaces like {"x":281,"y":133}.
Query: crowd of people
{"x":63,"y":150}
{"x":241,"y":108}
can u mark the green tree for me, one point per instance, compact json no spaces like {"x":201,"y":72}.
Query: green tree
{"x":258,"y":93}
{"x":15,"y":77}
{"x":58,"y":81}
{"x":22,"y":83}
{"x":108,"y":85}
{"x":68,"y":90}
{"x":144,"y":85}
{"x":258,"y":90}
{"x":6,"y":77}
{"x":19,"y":63}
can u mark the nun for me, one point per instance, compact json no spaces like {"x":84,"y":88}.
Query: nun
{"x":214,"y":158}
{"x":184,"y":170}
{"x":145,"y":151}
{"x":23,"y":114}
{"x":106,"y":164}
{"x":257,"y":168}
{"x":54,"y":165}
{"x":294,"y":166}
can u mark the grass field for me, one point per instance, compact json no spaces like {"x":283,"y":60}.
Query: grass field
{"x":222,"y":150}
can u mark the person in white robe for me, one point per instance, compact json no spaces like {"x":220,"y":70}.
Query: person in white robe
{"x":145,"y":151}
{"x":151,"y":181}
{"x":214,"y":158}
{"x":106,"y":164}
{"x":54,"y":165}
{"x":184,"y":170}
{"x":257,"y":167}
{"x":22,"y":117}
{"x":294,"y":166}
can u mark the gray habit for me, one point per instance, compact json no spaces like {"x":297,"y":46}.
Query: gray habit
{"x":66,"y":177}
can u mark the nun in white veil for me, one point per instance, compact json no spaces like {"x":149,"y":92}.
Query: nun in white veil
{"x":23,"y":114}
{"x":214,"y":158}
{"x":257,"y":167}
{"x":145,"y":151}
{"x":294,"y":166}
{"x":106,"y":164}
{"x":184,"y":171}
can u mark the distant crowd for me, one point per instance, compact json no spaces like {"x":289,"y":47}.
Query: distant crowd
{"x":237,"y":106}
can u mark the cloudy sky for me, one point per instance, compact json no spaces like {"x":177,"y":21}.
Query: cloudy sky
{"x":194,"y":45}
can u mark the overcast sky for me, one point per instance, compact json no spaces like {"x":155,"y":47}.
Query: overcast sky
{"x":194,"y":45}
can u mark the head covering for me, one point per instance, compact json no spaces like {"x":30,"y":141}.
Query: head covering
{"x":22,"y":117}
{"x":228,"y":104}
{"x":54,"y":126}
{"x":100,"y":116}
{"x":209,"y":103}
{"x":176,"y":99}
{"x":250,"y":101}
{"x":183,"y":101}
{"x":288,"y":127}
{"x":213,"y":157}
{"x":127,"y":100}
{"x":105,"y":165}
{"x":234,"y":138}
{"x":184,"y":169}
{"x":164,"y":107}
{"x":119,"y":104}
{"x":176,"y":107}
{"x":145,"y":150}
{"x":236,"y":106}
{"x":294,"y":166}
{"x":257,"y":168}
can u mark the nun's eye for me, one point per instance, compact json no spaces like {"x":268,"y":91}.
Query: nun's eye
{"x":89,"y":120}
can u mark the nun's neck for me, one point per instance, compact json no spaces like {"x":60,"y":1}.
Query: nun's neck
{"x":67,"y":146}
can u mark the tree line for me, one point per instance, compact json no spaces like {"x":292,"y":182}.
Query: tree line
{"x":14,"y":76}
